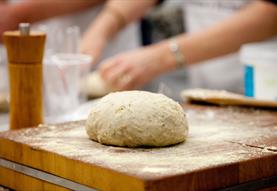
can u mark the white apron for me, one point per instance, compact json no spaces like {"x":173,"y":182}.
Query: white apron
{"x":221,"y":73}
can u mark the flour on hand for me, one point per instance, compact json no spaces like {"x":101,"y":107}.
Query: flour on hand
{"x":94,"y":86}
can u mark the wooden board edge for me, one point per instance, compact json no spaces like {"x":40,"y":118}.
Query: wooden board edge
{"x":230,"y":175}
{"x":197,"y":181}
{"x":79,"y":172}
{"x":264,"y":167}
{"x":17,"y":181}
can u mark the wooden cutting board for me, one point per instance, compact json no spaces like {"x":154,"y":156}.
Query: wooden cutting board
{"x":226,"y":146}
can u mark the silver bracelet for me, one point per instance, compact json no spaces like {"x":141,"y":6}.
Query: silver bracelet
{"x":179,"y":57}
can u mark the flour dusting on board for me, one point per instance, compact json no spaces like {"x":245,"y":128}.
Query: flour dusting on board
{"x":217,"y":136}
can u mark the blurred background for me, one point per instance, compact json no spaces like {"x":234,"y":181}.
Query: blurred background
{"x":70,"y":29}
{"x":62,"y":79}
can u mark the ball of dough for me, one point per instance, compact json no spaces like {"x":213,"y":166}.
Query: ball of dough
{"x":94,"y":86}
{"x":137,"y":118}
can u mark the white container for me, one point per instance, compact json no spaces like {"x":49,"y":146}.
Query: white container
{"x":260,"y":69}
{"x":63,"y":74}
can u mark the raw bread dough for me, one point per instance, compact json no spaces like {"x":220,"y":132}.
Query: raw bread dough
{"x":137,"y":118}
{"x":94,"y":86}
{"x":222,"y":97}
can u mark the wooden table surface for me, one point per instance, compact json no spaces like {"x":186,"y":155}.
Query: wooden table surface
{"x":226,"y":146}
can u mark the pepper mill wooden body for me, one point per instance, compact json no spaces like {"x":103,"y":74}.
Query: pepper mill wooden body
{"x":25,"y":53}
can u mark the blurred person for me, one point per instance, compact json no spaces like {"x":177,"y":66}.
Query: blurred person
{"x":215,"y":34}
{"x":55,"y":16}
{"x":111,"y":21}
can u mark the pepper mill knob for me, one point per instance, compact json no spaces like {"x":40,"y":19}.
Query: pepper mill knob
{"x":24,"y":28}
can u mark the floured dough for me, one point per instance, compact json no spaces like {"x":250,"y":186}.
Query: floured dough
{"x":94,"y":86}
{"x":137,"y":118}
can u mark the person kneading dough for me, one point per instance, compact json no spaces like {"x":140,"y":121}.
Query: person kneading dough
{"x":137,"y":118}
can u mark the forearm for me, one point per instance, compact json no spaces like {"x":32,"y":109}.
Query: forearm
{"x":33,"y":11}
{"x":116,"y":14}
{"x":256,"y":22}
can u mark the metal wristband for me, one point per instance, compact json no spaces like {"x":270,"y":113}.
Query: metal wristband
{"x":179,"y":57}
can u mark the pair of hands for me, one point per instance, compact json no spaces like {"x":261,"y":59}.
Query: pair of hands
{"x":126,"y":71}
{"x":131,"y":70}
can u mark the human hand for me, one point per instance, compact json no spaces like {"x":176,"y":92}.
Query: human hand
{"x":8,"y":20}
{"x":133,"y":69}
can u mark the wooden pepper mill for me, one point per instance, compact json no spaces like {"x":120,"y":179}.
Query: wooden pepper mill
{"x":25,"y":53}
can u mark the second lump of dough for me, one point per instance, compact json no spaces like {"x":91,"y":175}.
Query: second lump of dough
{"x":94,"y":86}
{"x":137,"y":118}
